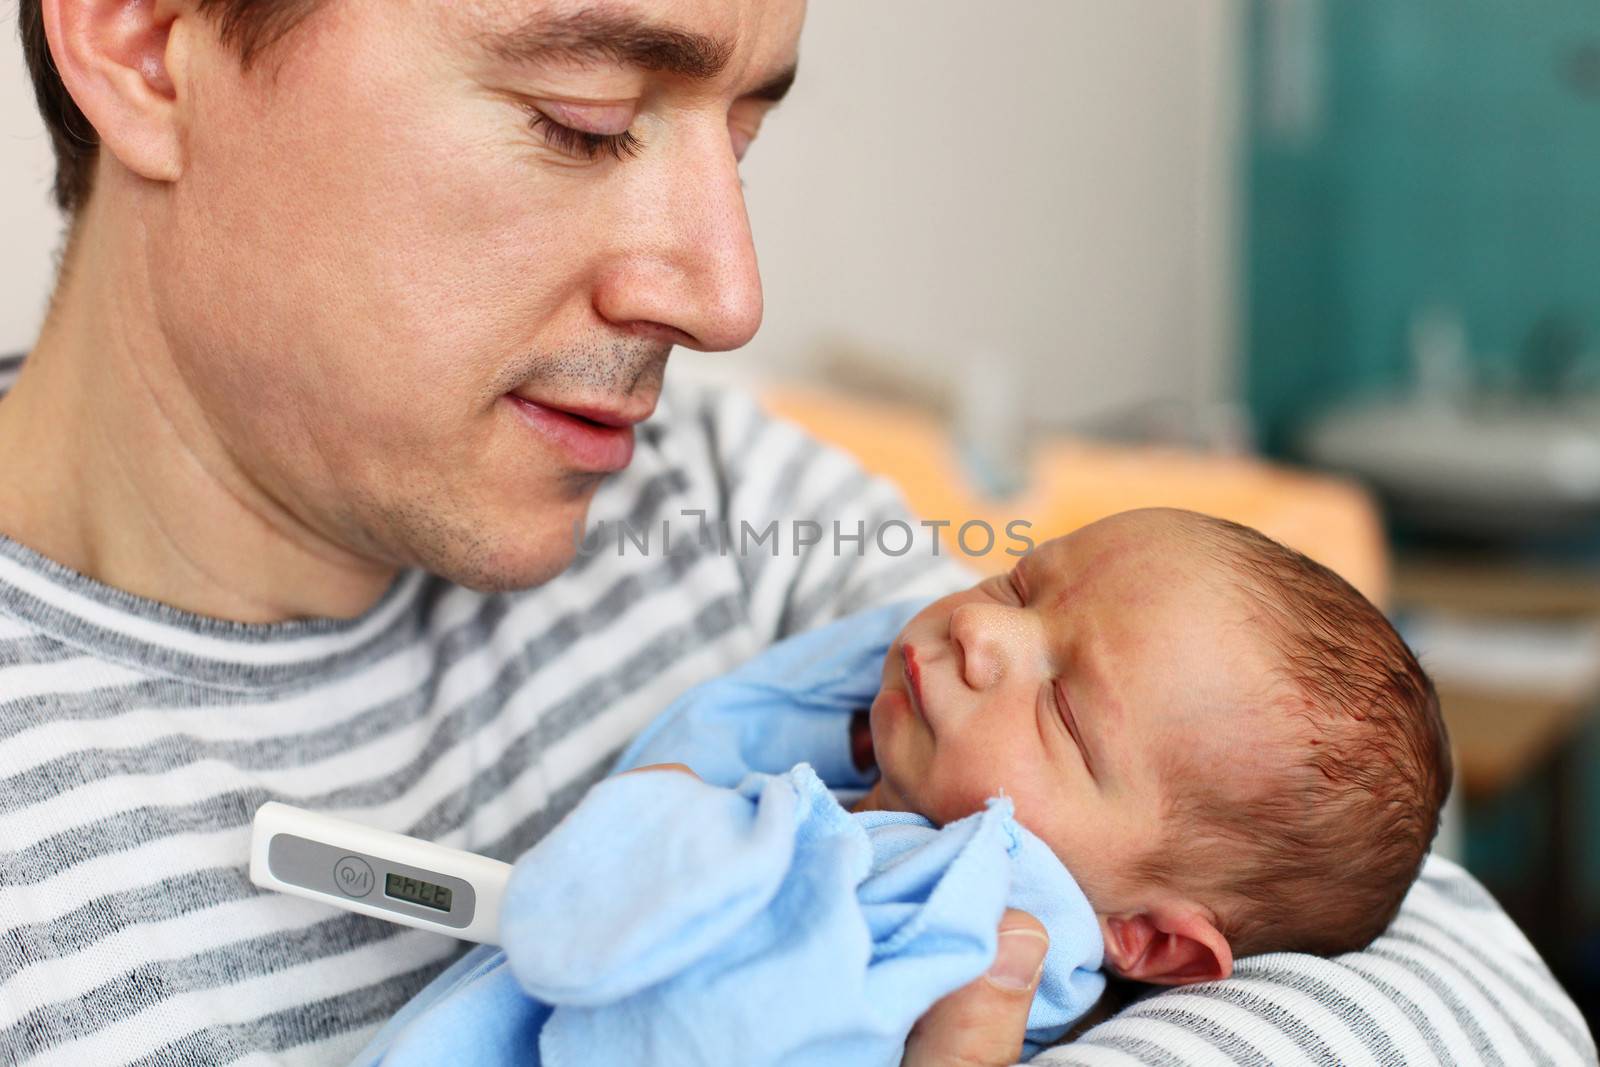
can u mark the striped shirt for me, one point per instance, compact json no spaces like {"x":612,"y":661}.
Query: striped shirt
{"x":136,"y":741}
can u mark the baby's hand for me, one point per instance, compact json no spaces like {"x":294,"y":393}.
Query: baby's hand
{"x":677,"y":767}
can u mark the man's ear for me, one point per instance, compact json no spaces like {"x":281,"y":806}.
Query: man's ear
{"x":116,"y":58}
{"x":1166,"y":947}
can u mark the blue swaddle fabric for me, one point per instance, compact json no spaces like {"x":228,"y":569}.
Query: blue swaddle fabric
{"x":668,"y":921}
{"x":791,"y":704}
{"x":749,"y":918}
{"x":766,"y":924}
{"x":472,"y":1013}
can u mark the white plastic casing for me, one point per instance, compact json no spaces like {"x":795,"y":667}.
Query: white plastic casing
{"x":486,"y":877}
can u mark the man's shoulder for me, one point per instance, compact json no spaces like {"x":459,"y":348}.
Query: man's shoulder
{"x":709,"y":450}
{"x":699,"y":422}
{"x":1452,"y":981}
{"x":24,"y":645}
{"x":722,"y":435}
{"x":722,"y":423}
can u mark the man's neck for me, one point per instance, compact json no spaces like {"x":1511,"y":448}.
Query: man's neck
{"x":114,"y":471}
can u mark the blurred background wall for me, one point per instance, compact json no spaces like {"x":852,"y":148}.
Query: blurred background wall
{"x":1058,"y":180}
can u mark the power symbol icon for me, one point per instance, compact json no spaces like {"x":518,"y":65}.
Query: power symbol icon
{"x":353,"y":876}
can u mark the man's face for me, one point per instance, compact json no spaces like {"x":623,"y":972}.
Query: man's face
{"x":1097,"y":677}
{"x":387,"y":227}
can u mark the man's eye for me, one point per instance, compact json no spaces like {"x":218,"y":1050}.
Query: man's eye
{"x":581,"y":143}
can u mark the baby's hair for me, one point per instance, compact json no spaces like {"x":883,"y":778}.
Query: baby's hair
{"x":1320,"y":855}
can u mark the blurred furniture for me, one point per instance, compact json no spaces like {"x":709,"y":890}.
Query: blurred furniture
{"x":1073,"y":482}
{"x":1514,"y":650}
{"x":1515,"y":653}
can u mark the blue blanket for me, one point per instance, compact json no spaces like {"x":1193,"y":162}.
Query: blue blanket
{"x":750,"y":918}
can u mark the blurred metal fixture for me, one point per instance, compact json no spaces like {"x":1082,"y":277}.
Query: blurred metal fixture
{"x":1503,"y":468}
{"x":1461,"y":462}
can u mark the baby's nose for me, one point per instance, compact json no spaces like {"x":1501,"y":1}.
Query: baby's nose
{"x":985,"y":635}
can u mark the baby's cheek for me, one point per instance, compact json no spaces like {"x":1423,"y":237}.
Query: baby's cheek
{"x":959,"y":788}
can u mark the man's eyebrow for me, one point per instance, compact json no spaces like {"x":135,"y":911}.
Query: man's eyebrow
{"x":598,"y":33}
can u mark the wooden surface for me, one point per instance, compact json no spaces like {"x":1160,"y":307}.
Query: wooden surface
{"x":1497,"y":587}
{"x":1503,"y":737}
{"x":1501,"y":740}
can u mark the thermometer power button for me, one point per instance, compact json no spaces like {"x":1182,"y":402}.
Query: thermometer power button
{"x":353,"y":876}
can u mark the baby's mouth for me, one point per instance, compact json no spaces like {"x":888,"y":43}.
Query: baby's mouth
{"x":913,"y":676}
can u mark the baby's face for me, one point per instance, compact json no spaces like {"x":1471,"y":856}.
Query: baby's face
{"x":1075,"y":685}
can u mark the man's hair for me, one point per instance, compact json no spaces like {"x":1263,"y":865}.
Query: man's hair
{"x":1318,"y":855}
{"x":249,"y":27}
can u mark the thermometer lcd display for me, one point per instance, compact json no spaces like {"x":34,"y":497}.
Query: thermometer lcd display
{"x":417,"y":891}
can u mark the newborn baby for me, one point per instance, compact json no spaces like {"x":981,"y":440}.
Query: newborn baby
{"x":1230,"y":748}
{"x":1208,"y":746}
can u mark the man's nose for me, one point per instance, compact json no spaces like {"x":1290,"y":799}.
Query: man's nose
{"x":687,"y":260}
{"x":992,"y":640}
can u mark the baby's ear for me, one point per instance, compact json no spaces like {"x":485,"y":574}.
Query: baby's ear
{"x":1164,"y":947}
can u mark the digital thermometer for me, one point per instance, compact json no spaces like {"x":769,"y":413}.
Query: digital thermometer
{"x":377,"y":872}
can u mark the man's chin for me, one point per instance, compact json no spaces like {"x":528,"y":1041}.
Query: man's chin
{"x":483,"y":579}
{"x":499,"y":557}
{"x":521,"y":562}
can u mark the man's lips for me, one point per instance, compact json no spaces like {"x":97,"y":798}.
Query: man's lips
{"x":598,"y":411}
{"x":594,"y":437}
{"x":603,"y":416}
